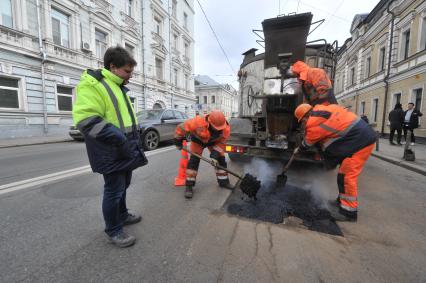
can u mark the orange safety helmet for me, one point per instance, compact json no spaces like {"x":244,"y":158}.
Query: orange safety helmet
{"x":217,"y":120}
{"x":302,"y":110}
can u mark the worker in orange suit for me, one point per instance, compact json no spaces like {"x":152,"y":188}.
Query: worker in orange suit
{"x":345,"y":139}
{"x":316,"y":85}
{"x":209,"y":131}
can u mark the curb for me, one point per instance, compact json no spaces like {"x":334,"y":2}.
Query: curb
{"x":36,"y":143}
{"x":401,"y":163}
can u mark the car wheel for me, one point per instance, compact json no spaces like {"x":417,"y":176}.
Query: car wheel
{"x":151,"y":140}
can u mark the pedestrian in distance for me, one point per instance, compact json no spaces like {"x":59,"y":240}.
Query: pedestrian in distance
{"x":316,"y":85}
{"x":104,"y":114}
{"x":209,"y":131}
{"x":411,"y":121}
{"x":396,"y":118}
{"x":345,"y":140}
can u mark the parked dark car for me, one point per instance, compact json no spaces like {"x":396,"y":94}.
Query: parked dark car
{"x":76,"y":134}
{"x":158,"y":125}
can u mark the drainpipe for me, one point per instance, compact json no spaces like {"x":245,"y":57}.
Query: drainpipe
{"x":170,"y":58}
{"x":386,"y":79}
{"x":143,"y":60}
{"x":43,"y":56}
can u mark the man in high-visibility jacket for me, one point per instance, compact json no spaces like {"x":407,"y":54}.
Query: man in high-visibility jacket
{"x":104,"y":115}
{"x":209,"y":131}
{"x":316,"y":85}
{"x":345,"y":139}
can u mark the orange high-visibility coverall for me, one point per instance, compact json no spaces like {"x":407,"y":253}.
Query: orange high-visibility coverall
{"x":346,"y":140}
{"x":203,"y":136}
{"x":317,"y":88}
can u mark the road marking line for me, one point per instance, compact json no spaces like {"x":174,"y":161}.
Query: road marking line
{"x":24,"y":184}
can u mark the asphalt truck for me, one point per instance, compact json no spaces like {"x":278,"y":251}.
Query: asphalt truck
{"x":265,"y":126}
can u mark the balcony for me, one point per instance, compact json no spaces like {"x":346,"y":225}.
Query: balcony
{"x":103,"y":5}
{"x":157,"y":38}
{"x":18,"y":40}
{"x":129,"y":21}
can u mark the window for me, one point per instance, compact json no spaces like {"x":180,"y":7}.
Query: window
{"x":213,"y":99}
{"x":175,"y":41}
{"x":353,"y":76}
{"x":186,"y":82}
{"x":129,"y":8}
{"x":423,"y":35}
{"x":375,"y":109}
{"x":205,"y":99}
{"x":158,"y":25}
{"x":129,"y":49}
{"x":175,"y":76}
{"x":178,"y":114}
{"x":64,"y":95}
{"x":367,"y":67}
{"x":159,"y":68}
{"x":6,"y":13}
{"x":362,"y":108}
{"x":174,"y":8}
{"x":396,"y":99}
{"x":417,"y":98}
{"x":101,"y":43}
{"x":186,"y":111}
{"x":168,"y":115}
{"x":185,"y":20}
{"x":186,"y":49}
{"x":176,"y":107}
{"x":382,"y":53}
{"x":9,"y":93}
{"x":405,"y":47}
{"x":60,"y":28}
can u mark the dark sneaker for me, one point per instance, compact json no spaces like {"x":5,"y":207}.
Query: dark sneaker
{"x":189,"y":193}
{"x":122,"y":239}
{"x":225,"y":184}
{"x":132,"y":219}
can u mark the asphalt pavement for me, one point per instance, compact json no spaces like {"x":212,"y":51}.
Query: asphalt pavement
{"x":53,"y":232}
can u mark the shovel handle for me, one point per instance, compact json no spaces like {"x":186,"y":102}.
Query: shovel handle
{"x":296,"y":150}
{"x":212,"y":163}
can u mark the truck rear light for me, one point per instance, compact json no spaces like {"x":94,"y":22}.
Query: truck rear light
{"x":235,"y":149}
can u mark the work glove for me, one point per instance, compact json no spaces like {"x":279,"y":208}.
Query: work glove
{"x":303,"y":146}
{"x":178,"y":143}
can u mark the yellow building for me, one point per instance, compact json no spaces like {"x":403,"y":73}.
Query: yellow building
{"x":384,"y":62}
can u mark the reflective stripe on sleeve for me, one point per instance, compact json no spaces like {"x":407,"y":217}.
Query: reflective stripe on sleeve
{"x":96,"y":129}
{"x":339,"y":134}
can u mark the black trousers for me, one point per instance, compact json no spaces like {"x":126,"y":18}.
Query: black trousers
{"x":406,"y":128}
{"x":392,"y":133}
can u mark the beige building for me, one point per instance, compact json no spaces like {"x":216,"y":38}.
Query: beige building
{"x":384,"y":62}
{"x":212,"y":95}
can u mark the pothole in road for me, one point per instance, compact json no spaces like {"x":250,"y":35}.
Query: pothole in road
{"x":280,"y":205}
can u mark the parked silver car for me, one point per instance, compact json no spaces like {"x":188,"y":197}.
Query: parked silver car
{"x":158,"y":125}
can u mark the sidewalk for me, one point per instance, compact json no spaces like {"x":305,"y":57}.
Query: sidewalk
{"x":394,"y":154}
{"x":33,"y":140}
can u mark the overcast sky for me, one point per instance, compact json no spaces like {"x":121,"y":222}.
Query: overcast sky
{"x":233,"y":21}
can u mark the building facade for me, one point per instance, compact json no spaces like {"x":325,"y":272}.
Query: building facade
{"x":212,"y":95}
{"x":45,"y":45}
{"x":384,"y":62}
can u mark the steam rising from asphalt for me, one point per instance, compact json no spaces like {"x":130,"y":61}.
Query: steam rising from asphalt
{"x":310,"y":177}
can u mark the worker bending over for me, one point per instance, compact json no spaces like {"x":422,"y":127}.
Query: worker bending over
{"x":209,"y":131}
{"x":345,"y":139}
{"x":316,"y":85}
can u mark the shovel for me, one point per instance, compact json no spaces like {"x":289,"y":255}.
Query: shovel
{"x":247,"y":183}
{"x":282,"y":178}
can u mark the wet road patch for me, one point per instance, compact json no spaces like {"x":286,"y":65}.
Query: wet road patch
{"x":278,"y":204}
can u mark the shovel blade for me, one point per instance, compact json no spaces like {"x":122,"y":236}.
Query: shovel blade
{"x":281,"y":179}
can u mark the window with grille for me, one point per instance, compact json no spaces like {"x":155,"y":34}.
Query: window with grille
{"x":129,"y":8}
{"x":213,"y":99}
{"x":6,"y":18}
{"x":362,"y":108}
{"x":101,"y":43}
{"x":417,"y":93}
{"x":64,"y":95}
{"x":60,"y":28}
{"x":158,"y":25}
{"x":175,"y":76}
{"x":352,"y":76}
{"x":405,"y":48}
{"x":174,"y":8}
{"x":129,"y":49}
{"x":185,"y":20}
{"x":9,"y":93}
{"x":367,"y":67}
{"x":423,"y":35}
{"x":375,"y":109}
{"x":205,"y":99}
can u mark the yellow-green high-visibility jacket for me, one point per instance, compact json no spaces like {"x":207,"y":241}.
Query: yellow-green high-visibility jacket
{"x":105,"y":116}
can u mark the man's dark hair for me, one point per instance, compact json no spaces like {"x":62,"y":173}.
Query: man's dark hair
{"x":411,"y":103}
{"x":119,"y":57}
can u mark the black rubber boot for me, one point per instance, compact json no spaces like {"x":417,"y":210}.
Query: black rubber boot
{"x":225,"y":184}
{"x":189,"y":193}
